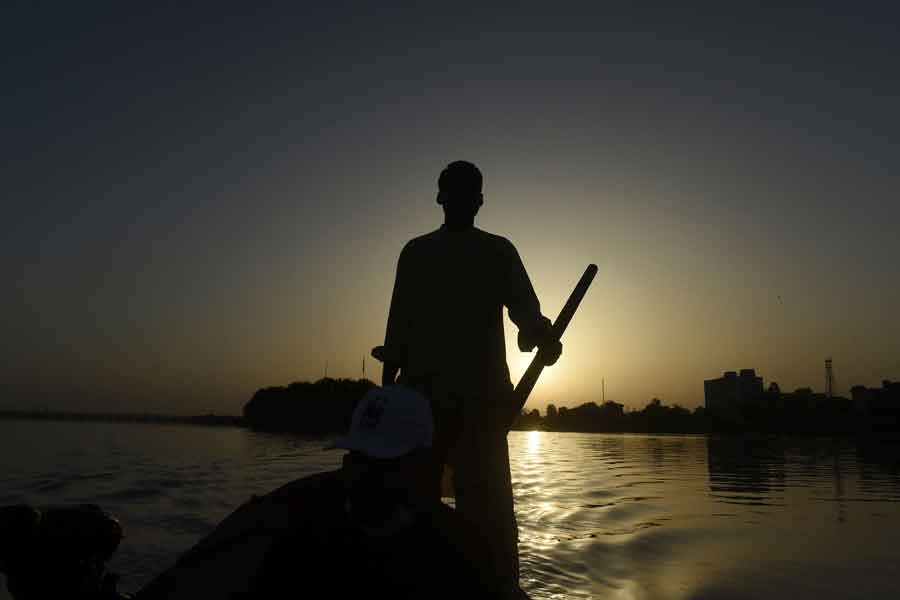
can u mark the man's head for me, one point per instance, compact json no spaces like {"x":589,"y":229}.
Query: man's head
{"x":459,"y":191}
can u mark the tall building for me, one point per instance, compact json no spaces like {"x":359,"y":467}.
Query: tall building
{"x":727,"y":394}
{"x":878,"y":403}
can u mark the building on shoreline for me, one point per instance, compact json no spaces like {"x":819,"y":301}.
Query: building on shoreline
{"x":878,"y":403}
{"x":738,"y":401}
{"x":727,"y":395}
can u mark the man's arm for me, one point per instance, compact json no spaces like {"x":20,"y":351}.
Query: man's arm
{"x":389,"y":372}
{"x":396,"y":337}
{"x":525,"y":311}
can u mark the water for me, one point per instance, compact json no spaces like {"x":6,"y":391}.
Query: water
{"x":601,"y":516}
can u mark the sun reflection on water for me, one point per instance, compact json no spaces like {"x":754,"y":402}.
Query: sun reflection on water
{"x":534,"y":442}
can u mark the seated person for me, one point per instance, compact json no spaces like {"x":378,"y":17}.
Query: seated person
{"x":374,"y":528}
{"x":387,"y":534}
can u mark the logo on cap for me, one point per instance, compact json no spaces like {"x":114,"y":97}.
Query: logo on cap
{"x":389,"y":422}
{"x":373,"y":412}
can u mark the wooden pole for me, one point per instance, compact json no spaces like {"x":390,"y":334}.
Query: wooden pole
{"x":529,"y":379}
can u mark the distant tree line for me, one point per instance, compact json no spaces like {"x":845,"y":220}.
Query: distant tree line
{"x":870,"y":411}
{"x":52,"y":415}
{"x":325,"y":406}
{"x":612,"y":417}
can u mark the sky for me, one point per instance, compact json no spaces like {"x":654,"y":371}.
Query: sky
{"x":201,"y":201}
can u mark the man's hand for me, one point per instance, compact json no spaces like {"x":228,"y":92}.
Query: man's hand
{"x":550,"y":352}
{"x":549,"y":349}
{"x":389,"y":367}
{"x":389,"y":374}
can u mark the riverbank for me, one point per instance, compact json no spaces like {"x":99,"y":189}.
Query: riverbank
{"x":47,"y":415}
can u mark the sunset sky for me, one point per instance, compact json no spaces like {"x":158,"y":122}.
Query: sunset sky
{"x":200,"y":202}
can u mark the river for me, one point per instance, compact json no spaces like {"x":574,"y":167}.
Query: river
{"x":600,"y":516}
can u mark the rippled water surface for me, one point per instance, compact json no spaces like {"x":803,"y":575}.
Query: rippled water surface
{"x":600,"y":516}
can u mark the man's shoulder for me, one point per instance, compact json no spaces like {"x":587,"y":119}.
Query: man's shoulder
{"x":501,"y":249}
{"x":484,"y":242}
{"x":420,"y":246}
{"x":495,"y":240}
{"x":425,"y":238}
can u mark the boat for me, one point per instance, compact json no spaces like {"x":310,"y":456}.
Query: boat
{"x":286,"y":537}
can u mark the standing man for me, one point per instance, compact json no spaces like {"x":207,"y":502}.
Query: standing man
{"x":445,"y":338}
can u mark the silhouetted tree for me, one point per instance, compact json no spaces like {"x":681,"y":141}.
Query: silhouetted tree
{"x":321,"y":407}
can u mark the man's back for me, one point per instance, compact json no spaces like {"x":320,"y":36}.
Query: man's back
{"x":446,"y":317}
{"x":445,"y":335}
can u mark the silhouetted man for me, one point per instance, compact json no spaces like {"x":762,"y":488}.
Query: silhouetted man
{"x":445,"y":337}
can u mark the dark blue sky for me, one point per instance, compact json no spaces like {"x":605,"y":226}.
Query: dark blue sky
{"x":201,"y":201}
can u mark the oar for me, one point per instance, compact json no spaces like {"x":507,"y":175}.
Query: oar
{"x":529,"y":379}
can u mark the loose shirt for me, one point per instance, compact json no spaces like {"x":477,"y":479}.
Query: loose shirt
{"x":446,"y":317}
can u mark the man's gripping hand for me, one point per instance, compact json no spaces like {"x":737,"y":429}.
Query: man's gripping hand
{"x":549,"y":348}
{"x":550,"y":352}
{"x":389,"y":374}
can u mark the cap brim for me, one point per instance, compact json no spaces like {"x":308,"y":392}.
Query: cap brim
{"x":369,"y":448}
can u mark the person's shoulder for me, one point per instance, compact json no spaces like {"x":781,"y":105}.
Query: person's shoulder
{"x":326,"y":483}
{"x":491,"y":238}
{"x":425,"y":238}
{"x":497,"y":243}
{"x":420,"y":243}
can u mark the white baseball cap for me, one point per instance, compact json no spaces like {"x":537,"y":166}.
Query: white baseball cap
{"x":389,"y":422}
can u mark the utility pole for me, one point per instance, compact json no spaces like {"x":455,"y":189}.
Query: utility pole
{"x":603,"y":387}
{"x":829,"y":378}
